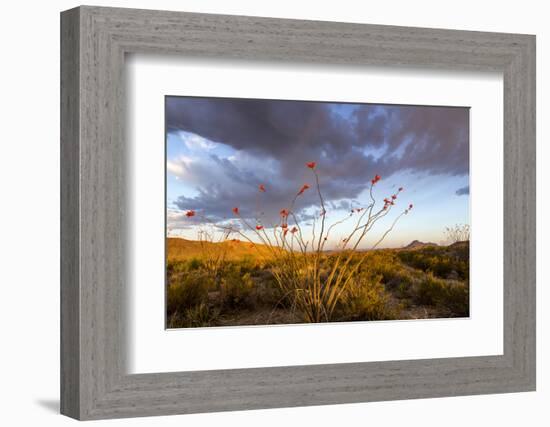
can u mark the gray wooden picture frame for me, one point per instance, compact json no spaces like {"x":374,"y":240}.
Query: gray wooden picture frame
{"x":94,"y":41}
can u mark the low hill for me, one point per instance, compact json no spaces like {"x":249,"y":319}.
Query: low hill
{"x":417,"y":244}
{"x":182,"y":249}
{"x":457,"y":245}
{"x":457,"y":251}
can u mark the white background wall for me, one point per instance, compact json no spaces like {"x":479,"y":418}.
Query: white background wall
{"x":29,"y":212}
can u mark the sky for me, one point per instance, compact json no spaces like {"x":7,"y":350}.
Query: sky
{"x":219,"y":151}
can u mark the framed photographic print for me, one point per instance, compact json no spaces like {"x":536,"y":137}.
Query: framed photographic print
{"x":261,"y":213}
{"x":257,"y":234}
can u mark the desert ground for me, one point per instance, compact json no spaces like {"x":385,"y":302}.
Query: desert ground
{"x":232,"y":283}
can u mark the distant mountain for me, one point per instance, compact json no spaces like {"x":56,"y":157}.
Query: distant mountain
{"x":417,"y":244}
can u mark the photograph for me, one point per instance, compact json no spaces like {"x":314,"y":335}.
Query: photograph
{"x":290,"y":212}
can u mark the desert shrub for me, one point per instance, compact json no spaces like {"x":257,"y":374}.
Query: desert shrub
{"x":452,"y":296}
{"x":443,"y":262}
{"x":201,"y":315}
{"x":268,"y":292}
{"x":365,"y":299}
{"x":175,"y":267}
{"x":398,"y":279}
{"x":175,"y":270}
{"x":416,"y":259}
{"x":194,"y":264}
{"x":393,"y":274}
{"x":429,"y":290}
{"x":238,"y":290}
{"x":405,"y":289}
{"x":248,"y":264}
{"x":457,"y":299}
{"x":198,"y":316}
{"x":186,"y":292}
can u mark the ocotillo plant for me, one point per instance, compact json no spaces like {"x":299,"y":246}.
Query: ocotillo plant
{"x":457,"y":233}
{"x":299,"y":264}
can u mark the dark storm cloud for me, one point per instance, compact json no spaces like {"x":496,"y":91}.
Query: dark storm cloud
{"x":428,"y":139}
{"x":464,"y":191}
{"x":434,"y":140}
{"x":272,"y":127}
{"x":350,"y":147}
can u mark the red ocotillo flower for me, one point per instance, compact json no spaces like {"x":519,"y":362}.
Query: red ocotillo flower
{"x":294,"y":230}
{"x":394,"y":196}
{"x":284,"y":226}
{"x":190,"y":213}
{"x":261,"y":187}
{"x":375,"y":179}
{"x":284,"y":213}
{"x":259,"y":227}
{"x":311,"y":165}
{"x":410,"y":206}
{"x":304,"y":188}
{"x":235,"y":211}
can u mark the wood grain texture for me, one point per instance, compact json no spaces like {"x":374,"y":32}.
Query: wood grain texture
{"x":94,"y":197}
{"x":70,"y":334}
